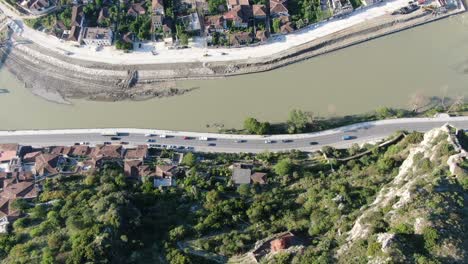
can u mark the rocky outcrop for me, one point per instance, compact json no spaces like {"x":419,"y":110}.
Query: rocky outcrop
{"x":412,"y":200}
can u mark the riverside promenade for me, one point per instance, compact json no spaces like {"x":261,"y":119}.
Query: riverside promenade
{"x":362,"y":133}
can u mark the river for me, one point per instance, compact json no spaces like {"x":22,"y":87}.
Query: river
{"x":430,"y":59}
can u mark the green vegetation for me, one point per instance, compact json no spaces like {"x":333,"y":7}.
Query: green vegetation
{"x":253,"y":126}
{"x":104,"y":218}
{"x":301,"y":121}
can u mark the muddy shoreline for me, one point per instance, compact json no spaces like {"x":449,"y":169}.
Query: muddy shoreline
{"x":58,"y":78}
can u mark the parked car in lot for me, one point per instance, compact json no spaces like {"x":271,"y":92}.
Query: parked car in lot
{"x":84,"y":143}
{"x":190,"y":148}
{"x":107,"y":143}
{"x":115,"y":138}
{"x":348,"y":137}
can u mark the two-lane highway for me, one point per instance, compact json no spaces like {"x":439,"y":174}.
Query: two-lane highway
{"x":361,"y":133}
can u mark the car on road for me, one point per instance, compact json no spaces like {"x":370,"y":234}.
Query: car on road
{"x":211,"y":144}
{"x":347,"y":137}
{"x":149,"y":135}
{"x":287,"y":140}
{"x":187,"y":138}
{"x":163,"y":136}
{"x":114,"y":138}
{"x":107,"y":143}
{"x":124,"y":143}
{"x":313,"y":143}
{"x":240,"y":141}
{"x":150,"y":140}
{"x":269,"y":141}
{"x":84,"y":143}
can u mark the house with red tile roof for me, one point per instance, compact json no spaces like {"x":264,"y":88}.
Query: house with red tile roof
{"x":8,"y":152}
{"x":233,"y":3}
{"x":239,"y":16}
{"x":136,"y":9}
{"x":278,"y":8}
{"x":157,"y":7}
{"x":165,"y":171}
{"x":31,"y":156}
{"x":259,"y":11}
{"x":139,"y":153}
{"x":47,"y":164}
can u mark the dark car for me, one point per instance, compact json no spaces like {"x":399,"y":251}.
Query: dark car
{"x":107,"y":143}
{"x":347,"y":137}
{"x":124,"y":143}
{"x":115,"y":138}
{"x":287,"y":140}
{"x":313,"y":143}
{"x":212,"y":144}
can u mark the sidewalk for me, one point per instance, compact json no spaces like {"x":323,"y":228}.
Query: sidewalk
{"x":195,"y":54}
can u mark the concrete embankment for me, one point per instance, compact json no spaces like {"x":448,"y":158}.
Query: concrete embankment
{"x":54,"y":75}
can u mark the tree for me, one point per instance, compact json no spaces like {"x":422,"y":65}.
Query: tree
{"x":417,"y":101}
{"x":183,"y":39}
{"x":244,"y":190}
{"x":276,"y":25}
{"x":20,"y":204}
{"x":213,"y":5}
{"x":253,"y":126}
{"x":298,"y":121}
{"x":283,"y":167}
{"x":47,"y":257}
{"x":430,"y":238}
{"x":384,"y":112}
{"x":189,"y":159}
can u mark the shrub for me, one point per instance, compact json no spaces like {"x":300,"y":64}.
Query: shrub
{"x":430,"y":238}
{"x":403,"y":228}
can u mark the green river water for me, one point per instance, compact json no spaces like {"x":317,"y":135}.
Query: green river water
{"x":430,"y":59}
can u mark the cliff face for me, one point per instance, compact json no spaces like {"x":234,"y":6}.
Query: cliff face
{"x":420,"y":216}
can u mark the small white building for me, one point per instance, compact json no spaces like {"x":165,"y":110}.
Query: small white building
{"x":4,"y":223}
{"x":94,"y":36}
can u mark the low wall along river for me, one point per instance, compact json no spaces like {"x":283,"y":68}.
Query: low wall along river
{"x":384,"y":72}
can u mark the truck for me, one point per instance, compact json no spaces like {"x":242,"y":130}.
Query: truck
{"x":203,"y":138}
{"x":110,"y":133}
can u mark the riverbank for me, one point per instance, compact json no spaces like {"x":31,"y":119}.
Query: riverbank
{"x":45,"y":70}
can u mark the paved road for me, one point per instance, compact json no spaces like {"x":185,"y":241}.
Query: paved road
{"x":363,"y":132}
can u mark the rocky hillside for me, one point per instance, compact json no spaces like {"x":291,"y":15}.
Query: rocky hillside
{"x":420,"y":216}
